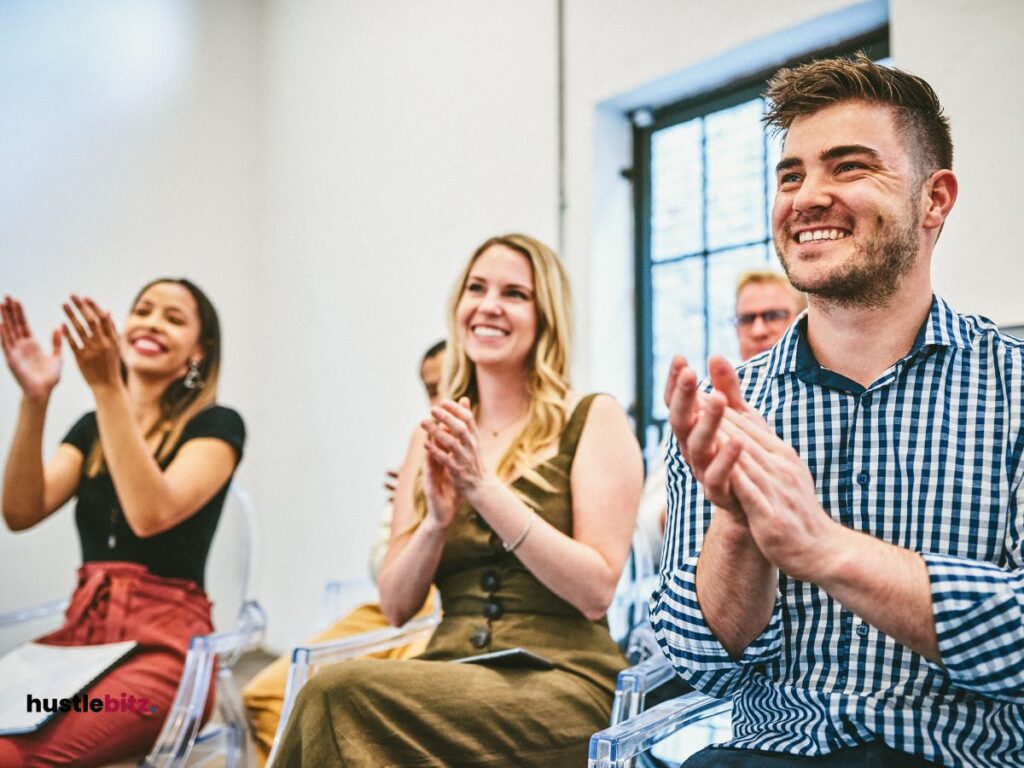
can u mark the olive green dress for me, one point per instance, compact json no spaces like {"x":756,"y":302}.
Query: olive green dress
{"x":431,"y":712}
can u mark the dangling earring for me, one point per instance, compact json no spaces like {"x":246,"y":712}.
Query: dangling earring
{"x":193,"y":379}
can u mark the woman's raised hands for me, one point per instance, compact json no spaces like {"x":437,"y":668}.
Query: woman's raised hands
{"x":454,"y":466}
{"x":97,"y":348}
{"x":441,"y":497}
{"x":453,"y":440}
{"x":36,"y":372}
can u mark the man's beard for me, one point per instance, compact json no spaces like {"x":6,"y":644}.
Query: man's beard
{"x":870,"y":277}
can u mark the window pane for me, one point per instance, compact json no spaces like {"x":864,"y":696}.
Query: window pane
{"x":724,"y":270}
{"x":736,"y":195}
{"x":678,"y":320}
{"x":676,"y":194}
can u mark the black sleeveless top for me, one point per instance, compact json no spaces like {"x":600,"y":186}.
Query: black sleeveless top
{"x":179,"y":552}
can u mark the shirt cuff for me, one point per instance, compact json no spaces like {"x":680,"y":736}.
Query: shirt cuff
{"x":979,"y":623}
{"x":691,"y":646}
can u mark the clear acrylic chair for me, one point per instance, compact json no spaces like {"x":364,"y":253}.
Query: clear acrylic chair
{"x":663,"y":734}
{"x":180,"y":742}
{"x":657,"y":720}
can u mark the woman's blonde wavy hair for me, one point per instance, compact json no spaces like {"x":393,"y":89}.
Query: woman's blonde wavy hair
{"x":548,"y":362}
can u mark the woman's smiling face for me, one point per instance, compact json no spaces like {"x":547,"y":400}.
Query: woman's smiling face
{"x":161,"y":333}
{"x":496,"y":315}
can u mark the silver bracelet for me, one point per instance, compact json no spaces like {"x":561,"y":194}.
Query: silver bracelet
{"x":522,"y":536}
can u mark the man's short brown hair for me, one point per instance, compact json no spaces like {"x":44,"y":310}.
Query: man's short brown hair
{"x":800,"y":91}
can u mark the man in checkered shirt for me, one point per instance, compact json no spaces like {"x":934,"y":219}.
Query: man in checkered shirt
{"x":846,"y":515}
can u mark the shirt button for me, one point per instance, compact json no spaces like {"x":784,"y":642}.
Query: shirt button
{"x":493,"y":610}
{"x":480,"y":522}
{"x":480,"y":637}
{"x":490,"y":581}
{"x":862,"y":630}
{"x":862,"y":478}
{"x":865,"y":401}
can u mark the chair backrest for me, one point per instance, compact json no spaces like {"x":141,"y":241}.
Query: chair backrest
{"x":229,"y":568}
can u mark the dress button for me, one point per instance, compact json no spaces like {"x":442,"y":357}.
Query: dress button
{"x":480,"y":637}
{"x":862,"y":478}
{"x":862,"y":630}
{"x":493,"y":610}
{"x":490,"y":581}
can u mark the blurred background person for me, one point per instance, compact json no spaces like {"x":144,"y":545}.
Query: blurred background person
{"x":766,"y":304}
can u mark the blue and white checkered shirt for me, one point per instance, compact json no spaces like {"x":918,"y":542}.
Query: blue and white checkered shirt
{"x":929,"y":458}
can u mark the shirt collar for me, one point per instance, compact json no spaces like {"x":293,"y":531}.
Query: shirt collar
{"x":942,"y":328}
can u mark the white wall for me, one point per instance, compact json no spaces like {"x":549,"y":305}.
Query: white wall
{"x":325,"y":168}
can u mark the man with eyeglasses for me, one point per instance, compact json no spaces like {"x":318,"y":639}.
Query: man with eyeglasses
{"x":766,"y":304}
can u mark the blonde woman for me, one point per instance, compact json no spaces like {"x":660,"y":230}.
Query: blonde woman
{"x":150,"y":469}
{"x":517,"y":499}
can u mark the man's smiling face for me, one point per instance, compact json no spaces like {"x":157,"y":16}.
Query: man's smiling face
{"x":847,"y":218}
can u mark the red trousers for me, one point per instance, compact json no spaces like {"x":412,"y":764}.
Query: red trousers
{"x":117,"y":601}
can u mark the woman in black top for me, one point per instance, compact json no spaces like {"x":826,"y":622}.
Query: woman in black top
{"x":150,"y":468}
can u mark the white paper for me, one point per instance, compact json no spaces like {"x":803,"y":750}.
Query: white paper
{"x":49,"y":672}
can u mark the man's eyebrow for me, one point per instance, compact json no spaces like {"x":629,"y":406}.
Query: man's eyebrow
{"x":845,"y":150}
{"x":788,"y":162}
{"x":832,"y":153}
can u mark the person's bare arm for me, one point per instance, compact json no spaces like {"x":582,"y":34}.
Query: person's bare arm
{"x":32,"y":492}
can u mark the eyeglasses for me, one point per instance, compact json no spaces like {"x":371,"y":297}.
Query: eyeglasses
{"x":770,"y":317}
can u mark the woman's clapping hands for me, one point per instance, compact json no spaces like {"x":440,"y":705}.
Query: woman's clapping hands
{"x":455,"y":467}
{"x":36,"y":372}
{"x":95,"y":343}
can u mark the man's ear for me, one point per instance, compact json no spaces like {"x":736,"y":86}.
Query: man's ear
{"x":940,"y":194}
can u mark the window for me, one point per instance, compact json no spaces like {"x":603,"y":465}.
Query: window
{"x":705,"y":183}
